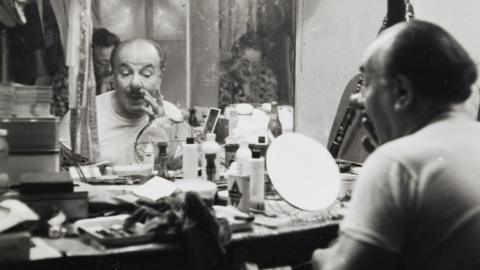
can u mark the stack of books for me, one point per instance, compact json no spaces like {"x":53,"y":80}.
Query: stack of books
{"x":32,"y":100}
{"x":17,"y":100}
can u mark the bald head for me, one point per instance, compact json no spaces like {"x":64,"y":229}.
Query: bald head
{"x":139,"y":45}
{"x":435,"y":63}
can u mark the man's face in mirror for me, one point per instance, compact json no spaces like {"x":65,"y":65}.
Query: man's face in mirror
{"x":137,"y":73}
{"x":101,"y":62}
{"x":248,"y":64}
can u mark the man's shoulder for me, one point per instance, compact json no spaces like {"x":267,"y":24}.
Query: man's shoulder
{"x":433,"y":140}
{"x":105,"y":97}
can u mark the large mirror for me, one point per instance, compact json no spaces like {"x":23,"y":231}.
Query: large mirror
{"x":218,"y":52}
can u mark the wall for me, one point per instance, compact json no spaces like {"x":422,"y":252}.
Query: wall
{"x":332,"y":36}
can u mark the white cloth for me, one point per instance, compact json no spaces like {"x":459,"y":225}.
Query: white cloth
{"x":117,"y":134}
{"x":420,"y":196}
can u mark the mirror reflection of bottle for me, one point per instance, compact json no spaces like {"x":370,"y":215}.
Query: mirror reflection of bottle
{"x":161,"y":162}
{"x":190,"y":159}
{"x":261,"y":146}
{"x":274,"y":125}
{"x":232,"y":123}
{"x":256,"y":171}
{"x":210,"y":146}
{"x":4,"y":151}
{"x":149,"y":155}
{"x":210,"y":167}
{"x":230,"y":150}
{"x":192,"y":118}
{"x":243,"y":154}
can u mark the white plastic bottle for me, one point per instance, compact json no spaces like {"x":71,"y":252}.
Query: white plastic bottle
{"x":190,"y":159}
{"x":243,"y":154}
{"x":256,"y":171}
{"x":149,"y":155}
{"x":210,"y":146}
{"x":238,"y":185}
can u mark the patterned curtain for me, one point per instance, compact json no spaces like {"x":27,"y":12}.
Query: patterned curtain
{"x":83,"y":123}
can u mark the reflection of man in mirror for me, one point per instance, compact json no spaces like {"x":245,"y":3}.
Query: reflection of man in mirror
{"x":247,"y":78}
{"x":138,"y":66}
{"x":416,"y":202}
{"x":103,"y":42}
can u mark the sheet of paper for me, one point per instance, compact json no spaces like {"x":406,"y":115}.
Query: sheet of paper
{"x":155,"y":188}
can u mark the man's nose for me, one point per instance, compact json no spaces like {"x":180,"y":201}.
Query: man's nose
{"x":136,"y":82}
{"x":357,"y":101}
{"x":109,"y":69}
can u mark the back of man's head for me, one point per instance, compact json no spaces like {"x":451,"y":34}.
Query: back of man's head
{"x":436,"y":64}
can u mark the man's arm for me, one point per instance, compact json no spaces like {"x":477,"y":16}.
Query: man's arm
{"x":347,"y":253}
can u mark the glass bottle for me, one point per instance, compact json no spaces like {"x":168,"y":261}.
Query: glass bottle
{"x":274,"y":125}
{"x":162,"y":159}
{"x":210,"y":147}
{"x":3,"y":150}
{"x":192,"y":118}
{"x":210,"y":168}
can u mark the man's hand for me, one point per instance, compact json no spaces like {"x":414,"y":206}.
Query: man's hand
{"x":370,"y":142}
{"x":154,"y":109}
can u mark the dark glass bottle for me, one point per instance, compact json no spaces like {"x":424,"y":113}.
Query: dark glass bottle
{"x":161,"y":162}
{"x":210,"y":167}
{"x":274,"y":125}
{"x":192,"y":119}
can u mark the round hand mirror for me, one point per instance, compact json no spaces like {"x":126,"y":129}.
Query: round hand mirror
{"x":303,"y":171}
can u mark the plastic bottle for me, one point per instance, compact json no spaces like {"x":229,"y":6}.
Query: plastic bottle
{"x":243,"y":154}
{"x":274,"y":125}
{"x":261,"y":146}
{"x":3,"y":150}
{"x":149,"y":155}
{"x":161,"y":162}
{"x":210,"y":146}
{"x":256,"y":171}
{"x":238,"y":185}
{"x":232,"y":123}
{"x":3,"y":160}
{"x":190,"y":159}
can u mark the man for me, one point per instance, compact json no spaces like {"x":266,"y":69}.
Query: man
{"x":138,"y":67}
{"x":416,"y":204}
{"x":103,"y":42}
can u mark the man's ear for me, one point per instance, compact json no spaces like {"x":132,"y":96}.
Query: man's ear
{"x":403,"y":93}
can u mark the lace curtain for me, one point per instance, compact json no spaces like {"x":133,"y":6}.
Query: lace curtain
{"x":83,"y":123}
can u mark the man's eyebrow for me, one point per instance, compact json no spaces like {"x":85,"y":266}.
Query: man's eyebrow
{"x":147,"y":67}
{"x":123,"y":65}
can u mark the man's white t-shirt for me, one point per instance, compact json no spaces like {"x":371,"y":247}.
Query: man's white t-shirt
{"x":117,"y":134}
{"x":419,"y":197}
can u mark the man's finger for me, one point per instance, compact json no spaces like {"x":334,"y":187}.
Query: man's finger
{"x":149,"y":112}
{"x":368,"y":125}
{"x":156,"y":104}
{"x":368,"y":145}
